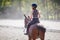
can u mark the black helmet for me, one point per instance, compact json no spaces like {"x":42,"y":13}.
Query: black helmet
{"x":34,"y":5}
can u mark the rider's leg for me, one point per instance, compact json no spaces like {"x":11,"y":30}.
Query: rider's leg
{"x":29,"y":26}
{"x":35,"y":20}
{"x":32,"y":22}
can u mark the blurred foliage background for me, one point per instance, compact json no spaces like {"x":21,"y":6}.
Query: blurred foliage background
{"x":50,"y":9}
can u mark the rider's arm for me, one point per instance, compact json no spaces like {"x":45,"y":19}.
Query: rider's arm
{"x":38,"y":14}
{"x":31,"y":16}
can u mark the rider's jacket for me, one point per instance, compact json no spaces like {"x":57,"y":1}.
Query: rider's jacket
{"x":35,"y":13}
{"x":35,"y":16}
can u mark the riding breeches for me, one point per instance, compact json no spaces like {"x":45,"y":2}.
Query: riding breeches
{"x":34,"y":20}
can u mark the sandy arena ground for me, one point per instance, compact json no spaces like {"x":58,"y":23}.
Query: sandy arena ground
{"x":16,"y":32}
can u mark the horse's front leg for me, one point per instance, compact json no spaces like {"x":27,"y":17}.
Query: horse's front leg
{"x":30,"y":38}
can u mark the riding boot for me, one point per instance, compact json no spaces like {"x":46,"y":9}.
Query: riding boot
{"x":27,"y":31}
{"x":28,"y":28}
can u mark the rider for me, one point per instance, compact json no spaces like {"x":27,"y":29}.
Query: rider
{"x":35,"y":16}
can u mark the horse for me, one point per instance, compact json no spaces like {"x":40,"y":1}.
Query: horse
{"x":35,"y":31}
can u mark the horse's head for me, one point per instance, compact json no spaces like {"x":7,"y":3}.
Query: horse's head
{"x":27,"y":20}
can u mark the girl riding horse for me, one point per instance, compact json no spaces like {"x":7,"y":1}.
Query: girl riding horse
{"x":35,"y":16}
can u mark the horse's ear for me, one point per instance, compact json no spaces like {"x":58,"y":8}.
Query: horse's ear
{"x":25,"y":16}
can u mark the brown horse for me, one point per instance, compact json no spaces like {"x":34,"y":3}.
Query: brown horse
{"x":36,"y":31}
